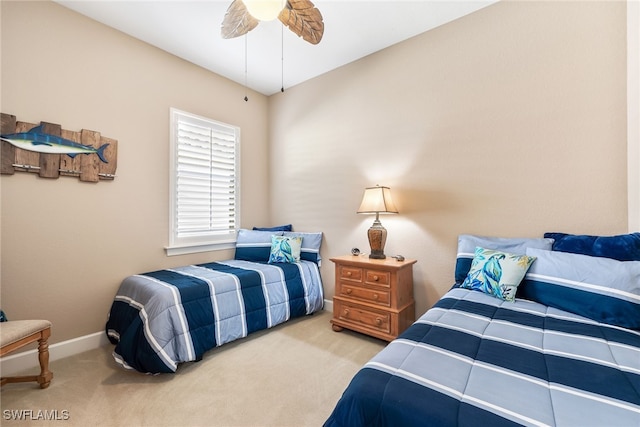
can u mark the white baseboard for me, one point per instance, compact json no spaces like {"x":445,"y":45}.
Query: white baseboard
{"x":28,"y":360}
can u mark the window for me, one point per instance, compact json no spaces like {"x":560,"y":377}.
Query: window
{"x":204,"y":181}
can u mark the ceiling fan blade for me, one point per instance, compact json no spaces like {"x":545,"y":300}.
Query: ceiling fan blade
{"x":237,"y":21}
{"x":304,"y":19}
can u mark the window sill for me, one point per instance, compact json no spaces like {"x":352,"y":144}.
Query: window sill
{"x":195,"y":248}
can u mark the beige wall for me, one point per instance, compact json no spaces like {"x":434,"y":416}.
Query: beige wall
{"x":633,"y":113}
{"x":66,"y":245}
{"x":508,"y":122}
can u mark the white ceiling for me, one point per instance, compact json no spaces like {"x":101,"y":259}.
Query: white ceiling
{"x":190,"y":29}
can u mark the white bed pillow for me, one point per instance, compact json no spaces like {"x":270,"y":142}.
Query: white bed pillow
{"x":467,"y":244}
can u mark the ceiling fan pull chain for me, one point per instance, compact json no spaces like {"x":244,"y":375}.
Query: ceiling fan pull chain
{"x":282,"y":58}
{"x":246,"y":98}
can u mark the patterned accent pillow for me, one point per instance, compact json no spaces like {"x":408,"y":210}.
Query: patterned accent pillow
{"x":468,"y":242}
{"x":285,"y":249}
{"x":497,"y":273}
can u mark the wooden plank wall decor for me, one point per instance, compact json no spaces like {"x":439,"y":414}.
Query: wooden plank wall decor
{"x":88,"y":167}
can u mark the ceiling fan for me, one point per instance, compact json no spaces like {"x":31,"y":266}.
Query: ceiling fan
{"x":301,"y":16}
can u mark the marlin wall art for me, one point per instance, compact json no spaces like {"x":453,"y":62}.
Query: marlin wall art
{"x":36,"y":140}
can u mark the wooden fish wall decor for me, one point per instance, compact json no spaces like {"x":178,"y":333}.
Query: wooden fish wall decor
{"x":51,"y":152}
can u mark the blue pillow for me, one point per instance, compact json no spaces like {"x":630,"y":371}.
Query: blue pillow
{"x":467,"y":244}
{"x":311,"y":242}
{"x":602,"y":289}
{"x":253,"y":245}
{"x":497,"y":273}
{"x":286,"y":227}
{"x":623,"y":247}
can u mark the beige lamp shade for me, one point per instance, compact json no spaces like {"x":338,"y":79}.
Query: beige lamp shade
{"x":377,"y":200}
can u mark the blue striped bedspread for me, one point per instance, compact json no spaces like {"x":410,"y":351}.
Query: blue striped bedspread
{"x":163,"y":318}
{"x":474,"y":360}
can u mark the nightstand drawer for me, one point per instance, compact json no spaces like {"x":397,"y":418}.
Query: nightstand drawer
{"x":382,"y":297}
{"x":374,"y":277}
{"x":363,"y":316}
{"x":351,"y":273}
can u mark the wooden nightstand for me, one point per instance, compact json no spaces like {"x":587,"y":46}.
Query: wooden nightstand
{"x":373,"y":296}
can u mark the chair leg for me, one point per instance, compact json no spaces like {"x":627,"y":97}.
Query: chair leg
{"x":45,"y":377}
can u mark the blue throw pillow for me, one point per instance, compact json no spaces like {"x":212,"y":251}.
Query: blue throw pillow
{"x":467,"y":244}
{"x":285,"y":249}
{"x":497,"y":273}
{"x":602,"y":289}
{"x":286,"y":227}
{"x":623,"y":247}
{"x":252,"y":245}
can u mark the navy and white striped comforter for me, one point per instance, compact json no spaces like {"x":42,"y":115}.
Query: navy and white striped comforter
{"x":474,"y":360}
{"x":162,"y":318}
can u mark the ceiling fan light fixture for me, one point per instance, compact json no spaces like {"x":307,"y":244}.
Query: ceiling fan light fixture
{"x":300,"y":16}
{"x":265,"y":10}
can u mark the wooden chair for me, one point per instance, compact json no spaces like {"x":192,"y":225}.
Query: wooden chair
{"x":16,"y":334}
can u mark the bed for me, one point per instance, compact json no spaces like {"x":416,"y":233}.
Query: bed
{"x":163,"y":318}
{"x":562,"y":348}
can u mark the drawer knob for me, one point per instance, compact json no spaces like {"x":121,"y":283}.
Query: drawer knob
{"x":348,"y":273}
{"x":349,"y":290}
{"x":346,"y":312}
{"x":378,"y":321}
{"x":376,"y":278}
{"x":375,"y":297}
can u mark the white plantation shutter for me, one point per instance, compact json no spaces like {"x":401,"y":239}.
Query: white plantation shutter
{"x":204,"y":184}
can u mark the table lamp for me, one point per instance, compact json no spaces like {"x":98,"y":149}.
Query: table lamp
{"x":377,"y":200}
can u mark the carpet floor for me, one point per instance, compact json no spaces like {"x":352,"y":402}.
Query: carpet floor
{"x":290,"y":375}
